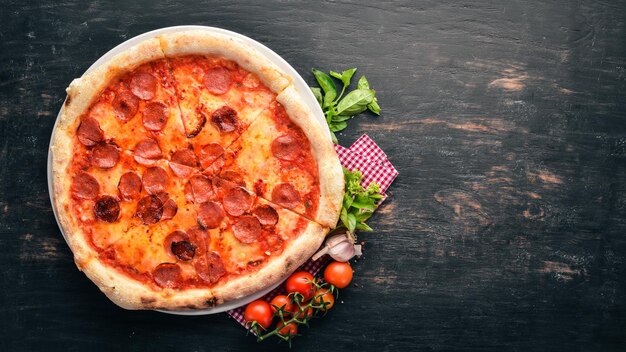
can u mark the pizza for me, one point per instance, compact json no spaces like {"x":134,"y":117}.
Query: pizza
{"x":188,"y":172}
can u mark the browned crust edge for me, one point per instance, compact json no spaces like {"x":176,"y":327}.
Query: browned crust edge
{"x":199,"y":42}
{"x":277,"y":269}
{"x":330,"y":171}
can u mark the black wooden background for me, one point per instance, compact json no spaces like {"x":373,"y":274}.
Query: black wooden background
{"x":505,"y":231}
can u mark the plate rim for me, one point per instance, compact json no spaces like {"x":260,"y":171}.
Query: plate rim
{"x":299,"y":83}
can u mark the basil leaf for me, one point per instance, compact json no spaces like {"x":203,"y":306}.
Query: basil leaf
{"x":376,"y":196}
{"x":328,"y":100}
{"x":362,"y":202}
{"x":339,"y":118}
{"x":344,"y":216}
{"x":346,"y":76}
{"x":327,"y":84}
{"x":351,"y":222}
{"x":347,"y":201}
{"x":363,"y":83}
{"x":362,"y":216}
{"x":373,"y":106}
{"x":338,"y":126}
{"x":355,"y":102}
{"x":335,"y":74}
{"x":364,"y":206}
{"x":363,"y":227}
{"x":318,"y":94}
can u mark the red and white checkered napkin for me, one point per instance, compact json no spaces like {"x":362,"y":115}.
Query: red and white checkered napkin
{"x":365,"y":156}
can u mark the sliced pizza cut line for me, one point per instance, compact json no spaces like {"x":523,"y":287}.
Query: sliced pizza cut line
{"x":255,"y":235}
{"x":237,"y":235}
{"x":222,"y":84}
{"x":279,"y":159}
{"x":214,"y":119}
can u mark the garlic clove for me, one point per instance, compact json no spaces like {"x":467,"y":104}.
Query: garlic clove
{"x":340,"y":247}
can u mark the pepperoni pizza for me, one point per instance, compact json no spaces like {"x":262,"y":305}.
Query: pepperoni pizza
{"x":187,"y":172}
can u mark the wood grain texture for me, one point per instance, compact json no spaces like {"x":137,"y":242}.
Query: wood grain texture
{"x":505,"y":230}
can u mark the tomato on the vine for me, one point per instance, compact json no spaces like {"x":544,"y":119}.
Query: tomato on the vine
{"x":338,"y":274}
{"x":287,"y":330}
{"x":326,"y":298}
{"x":302,"y":283}
{"x":306,"y":313}
{"x":259,"y":311}
{"x":281,"y":301}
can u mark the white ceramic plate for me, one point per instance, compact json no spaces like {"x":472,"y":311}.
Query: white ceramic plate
{"x":298,"y":82}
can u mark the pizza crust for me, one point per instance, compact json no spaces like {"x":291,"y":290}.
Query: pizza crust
{"x":132,"y":294}
{"x":277,"y":269}
{"x":330,"y":171}
{"x":198,"y":42}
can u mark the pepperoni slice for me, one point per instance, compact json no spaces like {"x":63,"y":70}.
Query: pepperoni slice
{"x":155,"y":116}
{"x":149,"y":210}
{"x":105,"y":156}
{"x":170,"y":208}
{"x":107,"y":209}
{"x":125,"y":105}
{"x":218,"y":80}
{"x":85,"y":186}
{"x":143,"y":85}
{"x":215,"y":167}
{"x":224,"y":119}
{"x":210,"y":215}
{"x":247,"y":229}
{"x":176,"y":236}
{"x":199,"y":238}
{"x":163,"y":196}
{"x":234,"y":177}
{"x":285,"y":147}
{"x":209,"y":153}
{"x":180,"y":170}
{"x":219,"y":184}
{"x":237,"y":201}
{"x":210,"y":267}
{"x":183,"y":162}
{"x":89,"y":132}
{"x":201,"y":188}
{"x":129,"y":186}
{"x":183,"y":250}
{"x":167,"y":275}
{"x":154,"y":180}
{"x":188,"y":191}
{"x":266,"y":214}
{"x":147,"y":152}
{"x":285,"y":195}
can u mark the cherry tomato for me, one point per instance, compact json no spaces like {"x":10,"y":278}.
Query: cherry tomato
{"x":259,"y":311}
{"x":301,"y":282}
{"x":281,"y":301}
{"x":338,"y":274}
{"x":287,"y":330}
{"x":326,"y":298}
{"x":305,"y":313}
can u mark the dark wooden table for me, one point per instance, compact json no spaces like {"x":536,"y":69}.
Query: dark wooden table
{"x":505,"y":231}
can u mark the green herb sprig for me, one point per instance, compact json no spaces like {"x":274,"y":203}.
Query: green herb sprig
{"x":337,"y":108}
{"x":359,"y":203}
